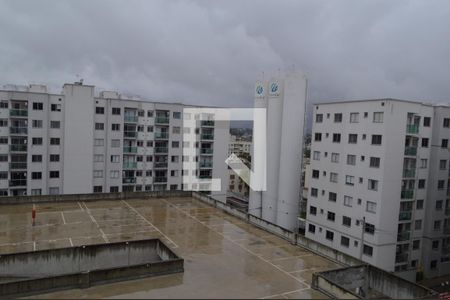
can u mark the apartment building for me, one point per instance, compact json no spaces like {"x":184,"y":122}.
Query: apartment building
{"x":379,"y":182}
{"x":239,"y":146}
{"x":80,"y":142}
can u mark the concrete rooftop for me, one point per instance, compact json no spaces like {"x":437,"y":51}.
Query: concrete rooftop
{"x":224,"y":256}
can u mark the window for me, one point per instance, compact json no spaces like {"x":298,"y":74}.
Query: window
{"x":352,"y":138}
{"x":425,"y":142}
{"x":150,"y":114}
{"x":439,"y":204}
{"x":421,"y":184}
{"x":423,"y":163}
{"x":378,"y":117}
{"x":140,"y":128}
{"x":441,"y":184}
{"x":36,"y":175}
{"x":369,"y":228}
{"x":149,"y":158}
{"x":37,"y":123}
{"x":416,"y":245}
{"x":34,"y":158}
{"x":336,"y":137}
{"x":35,"y":192}
{"x":419,"y":204}
{"x":54,"y":157}
{"x":54,"y":174}
{"x":444,"y":143}
{"x":99,"y":126}
{"x":345,"y":241}
{"x":100,"y":110}
{"x":331,"y":216}
{"x":417,"y":224}
{"x":314,"y":192}
{"x":317,"y":137}
{"x":174,"y":173}
{"x":435,"y":245}
{"x":311,"y":228}
{"x":348,"y":201}
{"x":175,"y":144}
{"x":177,"y":115}
{"x":367,"y":250}
{"x":426,"y":121}
{"x":346,"y":221}
{"x":371,"y":207}
{"x":351,"y":159}
{"x":115,"y":143}
{"x":433,"y":265}
{"x":374,"y":162}
{"x":149,"y":143}
{"x":338,"y":118}
{"x":98,"y":173}
{"x":437,"y":225}
{"x":55,"y":124}
{"x":98,"y":158}
{"x":329,"y":235}
{"x":3,"y":123}
{"x":349,"y":180}
{"x":37,"y":141}
{"x":443,"y":164}
{"x":116,"y":110}
{"x":141,"y":113}
{"x":315,"y":174}
{"x":332,"y":197}
{"x":446,"y":123}
{"x":354,"y":117}
{"x":114,"y":174}
{"x":316,"y":155}
{"x":54,"y":141}
{"x":333,"y":177}
{"x":313,"y":210}
{"x":53,"y":190}
{"x":115,"y":127}
{"x":3,"y":104}
{"x":334,"y":157}
{"x":373,"y":185}
{"x":55,"y":107}
{"x":376,"y":139}
{"x":98,"y":189}
{"x":4,"y":140}
{"x":148,"y":173}
{"x":115,"y":158}
{"x":38,"y":106}
{"x":319,"y":118}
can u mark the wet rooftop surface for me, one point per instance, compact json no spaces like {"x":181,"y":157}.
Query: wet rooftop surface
{"x":224,"y":257}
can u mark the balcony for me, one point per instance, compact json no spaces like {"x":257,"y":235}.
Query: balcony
{"x":206,"y":151}
{"x":403,"y":236}
{"x":162,"y":120}
{"x":206,"y":164}
{"x":209,"y":176}
{"x":18,"y":130}
{"x":446,"y":230}
{"x":207,"y":136}
{"x":404,"y":216}
{"x":401,"y":258}
{"x":413,"y":129}
{"x":131,"y":119}
{"x":409,"y":173}
{"x":18,"y":165}
{"x":207,"y":123}
{"x":129,"y":149}
{"x":18,"y":182}
{"x":128,"y":180}
{"x":161,"y":135}
{"x":18,"y":148}
{"x":129,"y":165}
{"x":160,"y":165}
{"x":161,"y":150}
{"x":411,"y":151}
{"x":160,"y":179}
{"x":130,"y":134}
{"x":407,"y":194}
{"x":18,"y":113}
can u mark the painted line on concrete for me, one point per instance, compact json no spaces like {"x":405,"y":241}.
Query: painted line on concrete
{"x":95,"y":221}
{"x":297,"y":256}
{"x":62,"y":216}
{"x":34,"y":246}
{"x":284,"y":294}
{"x":303,"y":270}
{"x":70,"y":241}
{"x":150,"y":223}
{"x":81,"y":207}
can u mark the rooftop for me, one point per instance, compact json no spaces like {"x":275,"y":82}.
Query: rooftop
{"x":224,"y":257}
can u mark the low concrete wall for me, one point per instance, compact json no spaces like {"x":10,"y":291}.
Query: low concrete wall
{"x":85,"y":265}
{"x":91,"y":197}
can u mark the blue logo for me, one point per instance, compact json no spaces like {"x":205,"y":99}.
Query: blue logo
{"x":274,"y":87}
{"x":259,"y":90}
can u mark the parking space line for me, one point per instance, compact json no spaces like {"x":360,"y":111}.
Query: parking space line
{"x":63,"y":219}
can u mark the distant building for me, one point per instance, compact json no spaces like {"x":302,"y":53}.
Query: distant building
{"x":379,"y":187}
{"x":239,"y":146}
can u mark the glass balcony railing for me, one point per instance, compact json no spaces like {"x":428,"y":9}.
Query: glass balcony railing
{"x":206,"y":151}
{"x":18,"y":113}
{"x":403,"y":236}
{"x":401,"y":257}
{"x":206,"y":164}
{"x":161,"y":135}
{"x":206,"y":176}
{"x":18,"y":182}
{"x":404,"y":216}
{"x":160,"y":165}
{"x":206,"y":136}
{"x":409,"y":173}
{"x":18,"y":147}
{"x":207,"y":123}
{"x":131,"y":119}
{"x":130,"y":134}
{"x":162,"y":120}
{"x":129,"y":180}
{"x":161,"y":150}
{"x":18,"y":130}
{"x":407,"y":194}
{"x":18,"y":165}
{"x":411,"y":128}
{"x":160,"y":179}
{"x":130,"y":165}
{"x":411,"y":151}
{"x":129,"y":149}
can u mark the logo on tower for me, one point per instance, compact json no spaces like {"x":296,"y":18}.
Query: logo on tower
{"x":259,"y":90}
{"x":274,"y":89}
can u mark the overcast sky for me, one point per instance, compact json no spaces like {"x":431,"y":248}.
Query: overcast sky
{"x":211,"y":52}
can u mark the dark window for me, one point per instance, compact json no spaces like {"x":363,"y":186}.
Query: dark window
{"x":36,"y":175}
{"x":313,"y":210}
{"x":441,"y":184}
{"x":329,"y":235}
{"x":99,"y":126}
{"x":37,"y":141}
{"x":426,"y":121}
{"x":444,"y":143}
{"x":115,"y":127}
{"x":314,"y":192}
{"x":419,"y":204}
{"x":376,"y":139}
{"x":367,"y":250}
{"x":345,"y":241}
{"x":98,"y":189}
{"x":115,"y":111}
{"x":433,"y":264}
{"x":319,"y":118}
{"x":425,"y":142}
{"x":421,"y":184}
{"x":331,"y":216}
{"x":150,"y":114}
{"x":352,"y":138}
{"x":416,"y":245}
{"x":374,"y":162}
{"x":55,"y":107}
{"x":177,"y":115}
{"x":315,"y":174}
{"x":336,"y":137}
{"x":337,"y":118}
{"x":54,"y":174}
{"x":369,"y":228}
{"x":54,"y":141}
{"x":435,"y":245}
{"x":38,"y":106}
{"x":114,"y":189}
{"x":332,"y":197}
{"x":36,"y":158}
{"x":100,"y":110}
{"x":311,"y":228}
{"x":317,"y":137}
{"x":54,"y":157}
{"x":346,"y":221}
{"x":446,"y":123}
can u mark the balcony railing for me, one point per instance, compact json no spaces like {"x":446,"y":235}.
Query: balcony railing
{"x":18,"y":147}
{"x":161,"y":150}
{"x":129,"y":180}
{"x":411,"y":151}
{"x":403,"y":236}
{"x":162,"y":120}
{"x":207,"y":136}
{"x":407,"y":194}
{"x":18,"y":165}
{"x":130,"y":165}
{"x":411,"y":128}
{"x":209,"y":176}
{"x":129,"y":149}
{"x":160,"y":165}
{"x":131,"y":119}
{"x":401,"y":257}
{"x":160,"y":179}
{"x":18,"y":130}
{"x":161,"y":135}
{"x":18,"y":182}
{"x":130,"y":134}
{"x":409,"y":173}
{"x":404,"y":216}
{"x":207,"y":123}
{"x":206,"y":164}
{"x":18,"y":113}
{"x":206,"y":151}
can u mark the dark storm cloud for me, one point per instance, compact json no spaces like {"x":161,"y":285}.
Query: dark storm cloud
{"x":211,"y":52}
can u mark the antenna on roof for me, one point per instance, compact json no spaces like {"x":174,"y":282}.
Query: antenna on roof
{"x":80,"y":82}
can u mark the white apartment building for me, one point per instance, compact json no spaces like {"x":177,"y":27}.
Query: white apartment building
{"x":239,"y":146}
{"x":77,"y":142}
{"x":379,"y":184}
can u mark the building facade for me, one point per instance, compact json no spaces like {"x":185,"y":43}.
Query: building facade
{"x":77,"y":142}
{"x":379,"y":182}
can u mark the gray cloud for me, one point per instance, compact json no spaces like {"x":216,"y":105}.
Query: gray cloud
{"x":211,"y":52}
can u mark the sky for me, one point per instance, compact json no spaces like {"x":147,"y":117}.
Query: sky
{"x":212,"y":52}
